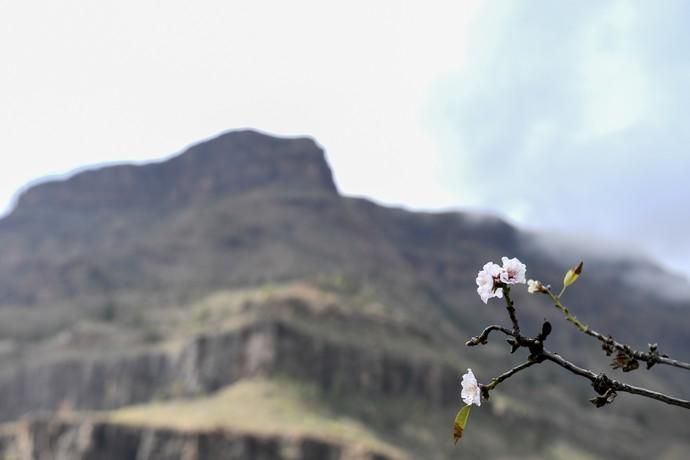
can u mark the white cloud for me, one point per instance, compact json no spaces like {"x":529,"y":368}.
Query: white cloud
{"x":573,"y":117}
{"x":614,"y":91}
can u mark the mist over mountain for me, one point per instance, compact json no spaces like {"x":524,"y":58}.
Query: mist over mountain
{"x":233,"y":281}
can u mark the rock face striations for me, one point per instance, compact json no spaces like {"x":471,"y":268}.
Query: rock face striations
{"x":208,"y":363}
{"x":44,"y":439}
{"x":234,"y":287}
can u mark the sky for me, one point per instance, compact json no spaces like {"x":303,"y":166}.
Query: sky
{"x":568,"y":117}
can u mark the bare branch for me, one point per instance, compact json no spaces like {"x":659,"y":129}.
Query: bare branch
{"x":484,"y":336}
{"x":609,"y":344}
{"x":506,"y":375}
{"x":618,"y":386}
{"x":602,"y":383}
{"x":605,"y":387}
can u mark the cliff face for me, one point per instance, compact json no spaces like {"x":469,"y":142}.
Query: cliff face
{"x":209,"y":362}
{"x":51,"y":439}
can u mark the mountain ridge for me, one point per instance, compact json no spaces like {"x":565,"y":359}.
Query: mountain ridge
{"x":232,"y":162}
{"x":269,"y":271}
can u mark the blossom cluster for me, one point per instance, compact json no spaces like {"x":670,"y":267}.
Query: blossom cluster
{"x":493,"y":278}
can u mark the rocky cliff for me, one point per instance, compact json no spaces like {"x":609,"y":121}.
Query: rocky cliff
{"x":230,"y":164}
{"x":52,"y":439}
{"x":208,"y":363}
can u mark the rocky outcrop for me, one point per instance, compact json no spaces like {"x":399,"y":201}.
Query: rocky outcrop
{"x":56,"y":439}
{"x":88,"y":238}
{"x":210,"y":362}
{"x":84,"y":383}
{"x":276,"y":348}
{"x":231,"y":163}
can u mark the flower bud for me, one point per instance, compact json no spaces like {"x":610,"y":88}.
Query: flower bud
{"x":572,"y":275}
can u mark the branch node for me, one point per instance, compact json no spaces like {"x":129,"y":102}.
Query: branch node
{"x":513,"y":345}
{"x":536,"y":347}
{"x":474,"y":341}
{"x":602,"y":384}
{"x":625,"y":361}
{"x":536,"y":357}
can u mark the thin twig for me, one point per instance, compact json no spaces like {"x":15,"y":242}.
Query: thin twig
{"x":612,"y":383}
{"x":651,"y":357}
{"x":506,"y":375}
{"x":484,"y":336}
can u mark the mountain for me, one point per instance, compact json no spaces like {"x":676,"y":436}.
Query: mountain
{"x":229,"y":299}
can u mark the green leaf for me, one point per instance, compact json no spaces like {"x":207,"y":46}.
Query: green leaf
{"x":461,"y":422}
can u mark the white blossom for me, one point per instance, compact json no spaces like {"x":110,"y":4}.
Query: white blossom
{"x":471,"y":393}
{"x":486,"y":282}
{"x":513,"y":271}
{"x":534,"y":286}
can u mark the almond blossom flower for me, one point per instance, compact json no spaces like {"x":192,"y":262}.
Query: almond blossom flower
{"x":486,"y":282}
{"x":513,"y":271}
{"x":534,"y":286}
{"x":471,"y":393}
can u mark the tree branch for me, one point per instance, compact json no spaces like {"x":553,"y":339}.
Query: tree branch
{"x":627,"y":356}
{"x":484,"y":336}
{"x":602,"y":383}
{"x":506,"y":375}
{"x":605,"y":387}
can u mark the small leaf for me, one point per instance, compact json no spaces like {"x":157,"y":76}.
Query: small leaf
{"x":461,"y":422}
{"x":606,"y":398}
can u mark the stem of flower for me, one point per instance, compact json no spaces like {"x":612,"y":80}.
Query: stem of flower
{"x":510,"y":306}
{"x":560,"y":294}
{"x":558,"y":304}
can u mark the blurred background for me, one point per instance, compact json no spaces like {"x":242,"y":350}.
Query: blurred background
{"x":253,"y":229}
